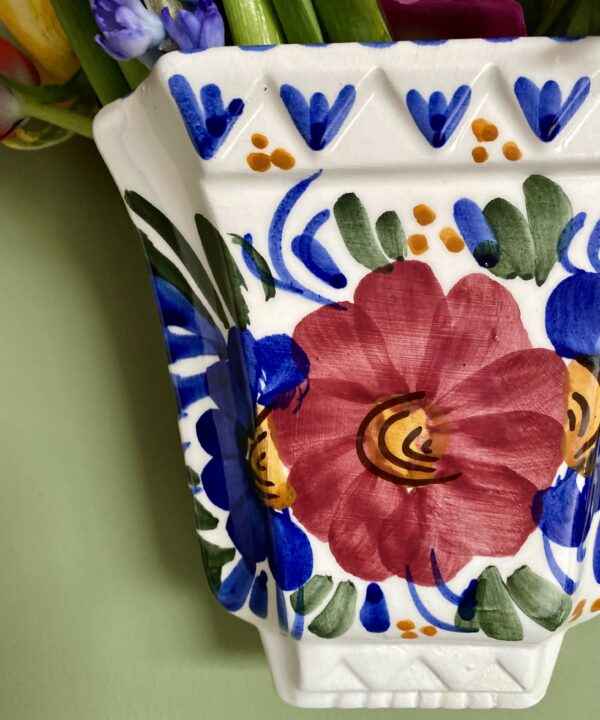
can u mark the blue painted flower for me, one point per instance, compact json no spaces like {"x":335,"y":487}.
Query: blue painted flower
{"x":243,"y":475}
{"x":437,"y":118}
{"x":209,"y":126}
{"x":317,"y":122}
{"x":573,"y":315}
{"x":128,"y":28}
{"x":196,"y":29}
{"x":544,"y":109}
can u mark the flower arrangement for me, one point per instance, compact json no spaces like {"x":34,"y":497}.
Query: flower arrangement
{"x":70,"y":57}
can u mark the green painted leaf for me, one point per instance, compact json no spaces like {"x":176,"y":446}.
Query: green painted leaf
{"x":204,"y":519}
{"x":468,"y":625}
{"x":548,"y":212}
{"x":355,"y":229}
{"x":193,"y":477}
{"x":163,"y":267}
{"x":261,"y":265}
{"x":391,"y":235}
{"x":225,"y":272}
{"x":311,"y":595}
{"x":511,"y":230}
{"x":497,"y":616}
{"x":545,"y":603}
{"x":180,"y":246}
{"x":338,"y":615}
{"x":214,"y":558}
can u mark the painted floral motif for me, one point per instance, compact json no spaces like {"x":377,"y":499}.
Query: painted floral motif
{"x":437,"y":118}
{"x":430,"y":425}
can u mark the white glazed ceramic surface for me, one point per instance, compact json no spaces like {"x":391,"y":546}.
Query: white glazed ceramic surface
{"x":400,"y":257}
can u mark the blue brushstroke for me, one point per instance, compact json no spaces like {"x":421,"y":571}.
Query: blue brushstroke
{"x":209,"y":127}
{"x":259,"y":597}
{"x":437,"y":118}
{"x":431,"y":619}
{"x":282,"y":614}
{"x":374,"y":614}
{"x":315,"y":256}
{"x":290,"y":554}
{"x":467,"y":607}
{"x":563,"y":512}
{"x":429,"y":42}
{"x":572,"y":228}
{"x":567,"y":584}
{"x":502,"y":40}
{"x":297,"y":627}
{"x":379,"y":45}
{"x":544,"y":109}
{"x":477,"y":233}
{"x":235,"y":588}
{"x":596,"y":558}
{"x":256,"y":48}
{"x":568,"y":39}
{"x":573,"y":315}
{"x":593,"y":249}
{"x":439,"y":581}
{"x":316,"y":121}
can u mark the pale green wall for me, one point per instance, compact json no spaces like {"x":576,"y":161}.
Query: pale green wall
{"x":104,"y":611}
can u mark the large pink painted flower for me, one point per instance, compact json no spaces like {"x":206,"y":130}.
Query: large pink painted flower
{"x":430,"y":425}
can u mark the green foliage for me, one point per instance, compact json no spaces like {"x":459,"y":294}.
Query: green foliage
{"x":355,"y":228}
{"x":214,"y":558}
{"x":338,"y":615}
{"x":260,"y":264}
{"x":545,"y":603}
{"x":496,"y":613}
{"x":310,"y":596}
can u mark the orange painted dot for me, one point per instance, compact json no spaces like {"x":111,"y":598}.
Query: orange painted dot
{"x":260,"y":141}
{"x":595,"y":606}
{"x":512,"y":151}
{"x":283,"y":159}
{"x":484,"y":131}
{"x":429,"y":630}
{"x":418,"y":244}
{"x":409,"y":635}
{"x":259,"y":162}
{"x":405,"y":625}
{"x":452,"y":240}
{"x":578,"y":612}
{"x":424,"y":215}
{"x":480,"y":154}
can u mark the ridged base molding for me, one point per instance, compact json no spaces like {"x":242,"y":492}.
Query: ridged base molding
{"x":410,"y":675}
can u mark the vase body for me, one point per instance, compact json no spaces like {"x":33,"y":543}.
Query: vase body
{"x":377,"y":273}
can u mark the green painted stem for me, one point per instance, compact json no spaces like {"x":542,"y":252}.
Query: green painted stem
{"x":299,"y":21}
{"x":253,"y":22}
{"x":352,"y":21}
{"x":67,"y":119}
{"x":103,"y":72}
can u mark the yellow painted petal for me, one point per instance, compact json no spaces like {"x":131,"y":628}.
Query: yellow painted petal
{"x":35,"y":26}
{"x":583,"y":422}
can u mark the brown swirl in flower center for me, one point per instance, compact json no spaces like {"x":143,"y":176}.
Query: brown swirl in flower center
{"x":402,"y":438}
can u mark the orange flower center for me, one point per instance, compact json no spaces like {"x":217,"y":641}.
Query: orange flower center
{"x":402,"y":438}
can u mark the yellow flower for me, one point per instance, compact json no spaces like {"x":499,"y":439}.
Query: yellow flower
{"x":34,"y":25}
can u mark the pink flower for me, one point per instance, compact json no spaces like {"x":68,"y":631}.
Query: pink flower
{"x":438,"y":19}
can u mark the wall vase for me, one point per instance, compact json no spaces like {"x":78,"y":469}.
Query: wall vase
{"x":377,"y":269}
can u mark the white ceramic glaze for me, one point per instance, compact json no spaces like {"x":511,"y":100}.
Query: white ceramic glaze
{"x":423,"y":602}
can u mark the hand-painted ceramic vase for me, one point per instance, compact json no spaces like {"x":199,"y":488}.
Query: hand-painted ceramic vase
{"x":377,"y":269}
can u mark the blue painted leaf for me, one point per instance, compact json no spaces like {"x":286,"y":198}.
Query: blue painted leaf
{"x":316,"y":259}
{"x":477,"y":233}
{"x":438,"y":119}
{"x":573,"y":316}
{"x":259,"y":597}
{"x":290,"y":553}
{"x":543,"y":108}
{"x":208,"y":126}
{"x":316,"y":121}
{"x":572,"y":228}
{"x":374,"y":614}
{"x":234,"y":589}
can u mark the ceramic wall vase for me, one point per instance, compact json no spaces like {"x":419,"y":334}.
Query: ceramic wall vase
{"x":377,"y":269}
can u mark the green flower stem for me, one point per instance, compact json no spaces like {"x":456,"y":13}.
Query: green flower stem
{"x":352,"y":21}
{"x":134,"y":72}
{"x":103,"y":72}
{"x":299,"y":21}
{"x":61,"y":117}
{"x":253,"y":22}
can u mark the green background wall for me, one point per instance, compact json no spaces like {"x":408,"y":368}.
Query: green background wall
{"x":104,"y":610}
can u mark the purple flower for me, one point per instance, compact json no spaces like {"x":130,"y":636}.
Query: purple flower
{"x":438,"y":19}
{"x":128,"y":28}
{"x":196,"y":29}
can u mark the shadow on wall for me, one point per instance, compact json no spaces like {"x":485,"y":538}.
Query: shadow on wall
{"x":115,"y":271}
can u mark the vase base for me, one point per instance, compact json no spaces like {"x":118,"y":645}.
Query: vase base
{"x":325,"y":674}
